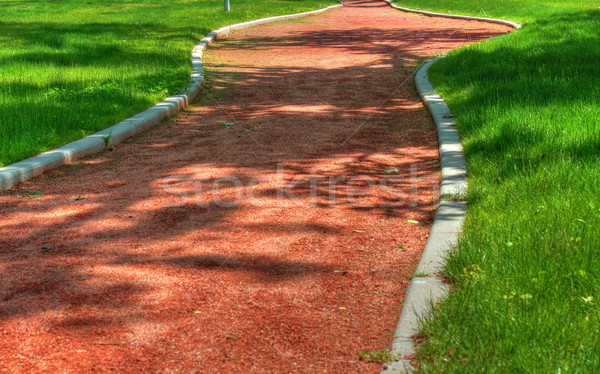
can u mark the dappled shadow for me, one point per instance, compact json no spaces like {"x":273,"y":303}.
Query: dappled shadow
{"x":68,"y":45}
{"x":266,"y":268}
{"x":367,"y":39}
{"x":300,"y":185}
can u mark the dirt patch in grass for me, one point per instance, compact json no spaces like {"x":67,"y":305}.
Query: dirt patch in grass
{"x":272,"y":228}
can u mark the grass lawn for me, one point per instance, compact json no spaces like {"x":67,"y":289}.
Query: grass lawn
{"x":69,"y":68}
{"x":526,"y":275}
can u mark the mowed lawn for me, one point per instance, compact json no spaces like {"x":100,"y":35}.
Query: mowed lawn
{"x":69,"y":68}
{"x":526,"y":275}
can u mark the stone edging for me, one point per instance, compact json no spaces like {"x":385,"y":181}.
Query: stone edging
{"x":458,"y":16}
{"x":428,"y":288}
{"x":33,"y":166}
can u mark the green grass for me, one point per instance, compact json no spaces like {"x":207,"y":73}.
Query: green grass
{"x":521,"y":11}
{"x":69,"y":68}
{"x":526,"y":292}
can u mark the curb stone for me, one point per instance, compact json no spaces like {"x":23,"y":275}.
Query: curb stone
{"x":26,"y":169}
{"x":425,"y":291}
{"x":428,"y":289}
{"x":457,"y":16}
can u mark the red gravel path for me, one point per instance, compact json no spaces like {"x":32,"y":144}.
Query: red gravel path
{"x":129,"y":261}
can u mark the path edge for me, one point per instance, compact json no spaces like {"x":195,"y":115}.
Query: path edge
{"x":456,"y":16}
{"x":23,"y":170}
{"x":427,"y":289}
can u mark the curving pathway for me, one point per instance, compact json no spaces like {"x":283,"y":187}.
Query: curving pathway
{"x":272,"y":227}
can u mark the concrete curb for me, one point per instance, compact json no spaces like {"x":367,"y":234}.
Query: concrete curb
{"x":453,"y":163}
{"x":31,"y":167}
{"x":426,"y":290}
{"x":457,"y":16}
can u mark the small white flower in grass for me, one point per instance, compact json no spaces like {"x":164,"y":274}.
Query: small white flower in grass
{"x":588,"y":300}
